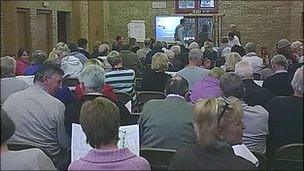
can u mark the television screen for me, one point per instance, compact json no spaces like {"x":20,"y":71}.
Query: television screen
{"x":165,"y":27}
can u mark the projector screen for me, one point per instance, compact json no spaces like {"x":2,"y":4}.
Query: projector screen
{"x":165,"y":27}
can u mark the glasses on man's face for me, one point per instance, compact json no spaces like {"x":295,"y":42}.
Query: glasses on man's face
{"x":224,"y":108}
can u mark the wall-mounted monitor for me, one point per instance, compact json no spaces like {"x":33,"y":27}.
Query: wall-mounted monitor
{"x":165,"y":27}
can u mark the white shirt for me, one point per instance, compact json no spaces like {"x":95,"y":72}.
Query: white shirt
{"x":234,"y":41}
{"x":256,"y":62}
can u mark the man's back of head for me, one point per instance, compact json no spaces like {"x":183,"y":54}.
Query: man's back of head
{"x":82,"y":42}
{"x":195,"y":55}
{"x":232,"y":85}
{"x":177,"y":85}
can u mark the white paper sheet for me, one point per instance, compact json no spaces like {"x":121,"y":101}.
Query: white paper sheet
{"x":243,"y":151}
{"x":128,"y":137}
{"x":129,"y":106}
{"x":259,"y":82}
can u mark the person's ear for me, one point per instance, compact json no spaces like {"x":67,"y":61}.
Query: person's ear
{"x":45,"y":79}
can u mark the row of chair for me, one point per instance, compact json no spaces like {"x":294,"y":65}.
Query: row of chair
{"x":287,"y":157}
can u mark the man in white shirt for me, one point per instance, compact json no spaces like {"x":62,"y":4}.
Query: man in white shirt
{"x":233,"y":40}
{"x":251,"y":56}
{"x":255,"y":117}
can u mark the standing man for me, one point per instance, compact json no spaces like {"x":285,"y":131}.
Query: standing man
{"x":179,"y":34}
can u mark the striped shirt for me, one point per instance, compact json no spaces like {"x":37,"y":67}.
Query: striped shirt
{"x":122,"y":80}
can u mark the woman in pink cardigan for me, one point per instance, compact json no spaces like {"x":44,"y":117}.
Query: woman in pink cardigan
{"x":207,"y":87}
{"x":99,"y":120}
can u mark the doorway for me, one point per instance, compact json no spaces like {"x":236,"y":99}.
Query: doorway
{"x":44,"y":31}
{"x":63,"y":18}
{"x":23,"y":24}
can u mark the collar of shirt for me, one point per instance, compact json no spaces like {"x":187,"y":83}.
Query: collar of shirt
{"x":281,"y":71}
{"x":176,"y":95}
{"x":251,"y":54}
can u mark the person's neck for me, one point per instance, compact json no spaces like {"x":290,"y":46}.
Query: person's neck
{"x":279,"y":69}
{"x":4,"y":148}
{"x":192,"y":64}
{"x":110,"y":146}
{"x":298,"y":94}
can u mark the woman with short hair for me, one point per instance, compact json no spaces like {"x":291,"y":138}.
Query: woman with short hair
{"x":218,"y":126}
{"x":100,"y":121}
{"x":156,"y":79}
{"x":9,"y":83}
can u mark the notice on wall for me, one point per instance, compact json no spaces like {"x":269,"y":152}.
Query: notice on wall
{"x":128,"y":138}
{"x":137,"y":29}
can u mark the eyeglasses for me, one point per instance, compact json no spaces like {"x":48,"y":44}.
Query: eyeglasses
{"x":224,"y":108}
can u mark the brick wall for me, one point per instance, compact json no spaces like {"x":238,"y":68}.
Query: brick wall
{"x":259,"y":21}
{"x":264,"y":22}
{"x":119,"y":13}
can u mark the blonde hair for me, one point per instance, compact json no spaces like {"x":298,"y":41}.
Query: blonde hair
{"x":114,"y":58}
{"x":160,"y":62}
{"x":94,"y":62}
{"x":60,"y":50}
{"x":216,"y":72}
{"x":231,"y":59}
{"x":207,"y":119}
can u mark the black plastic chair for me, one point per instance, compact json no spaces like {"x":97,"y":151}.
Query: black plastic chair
{"x":123,"y":97}
{"x":288,"y":157}
{"x":144,"y":96}
{"x":159,"y":159}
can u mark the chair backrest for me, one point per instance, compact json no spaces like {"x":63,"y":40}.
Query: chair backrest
{"x":70,"y":82}
{"x":159,"y":159}
{"x":123,"y":97}
{"x":144,"y":96}
{"x":288,"y":157}
{"x":15,"y":146}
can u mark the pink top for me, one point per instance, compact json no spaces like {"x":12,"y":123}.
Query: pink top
{"x":21,"y":64}
{"x":117,"y":159}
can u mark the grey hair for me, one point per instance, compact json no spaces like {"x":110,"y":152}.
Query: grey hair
{"x":244,"y":69}
{"x":279,"y":60}
{"x":232,"y":85}
{"x":193,"y":45}
{"x":296,"y":45}
{"x":195,"y":54}
{"x":8,"y":66}
{"x":176,"y":49}
{"x":250,"y":47}
{"x":92,"y":76}
{"x":297,"y":81}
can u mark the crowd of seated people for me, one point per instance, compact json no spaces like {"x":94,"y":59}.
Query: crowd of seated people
{"x":214,"y":100}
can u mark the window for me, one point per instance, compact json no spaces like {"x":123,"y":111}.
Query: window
{"x":196,"y":6}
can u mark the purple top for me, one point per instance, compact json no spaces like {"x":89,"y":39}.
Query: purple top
{"x":206,"y":88}
{"x":117,"y":159}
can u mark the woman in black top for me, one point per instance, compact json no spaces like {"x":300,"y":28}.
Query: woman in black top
{"x":156,"y":79}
